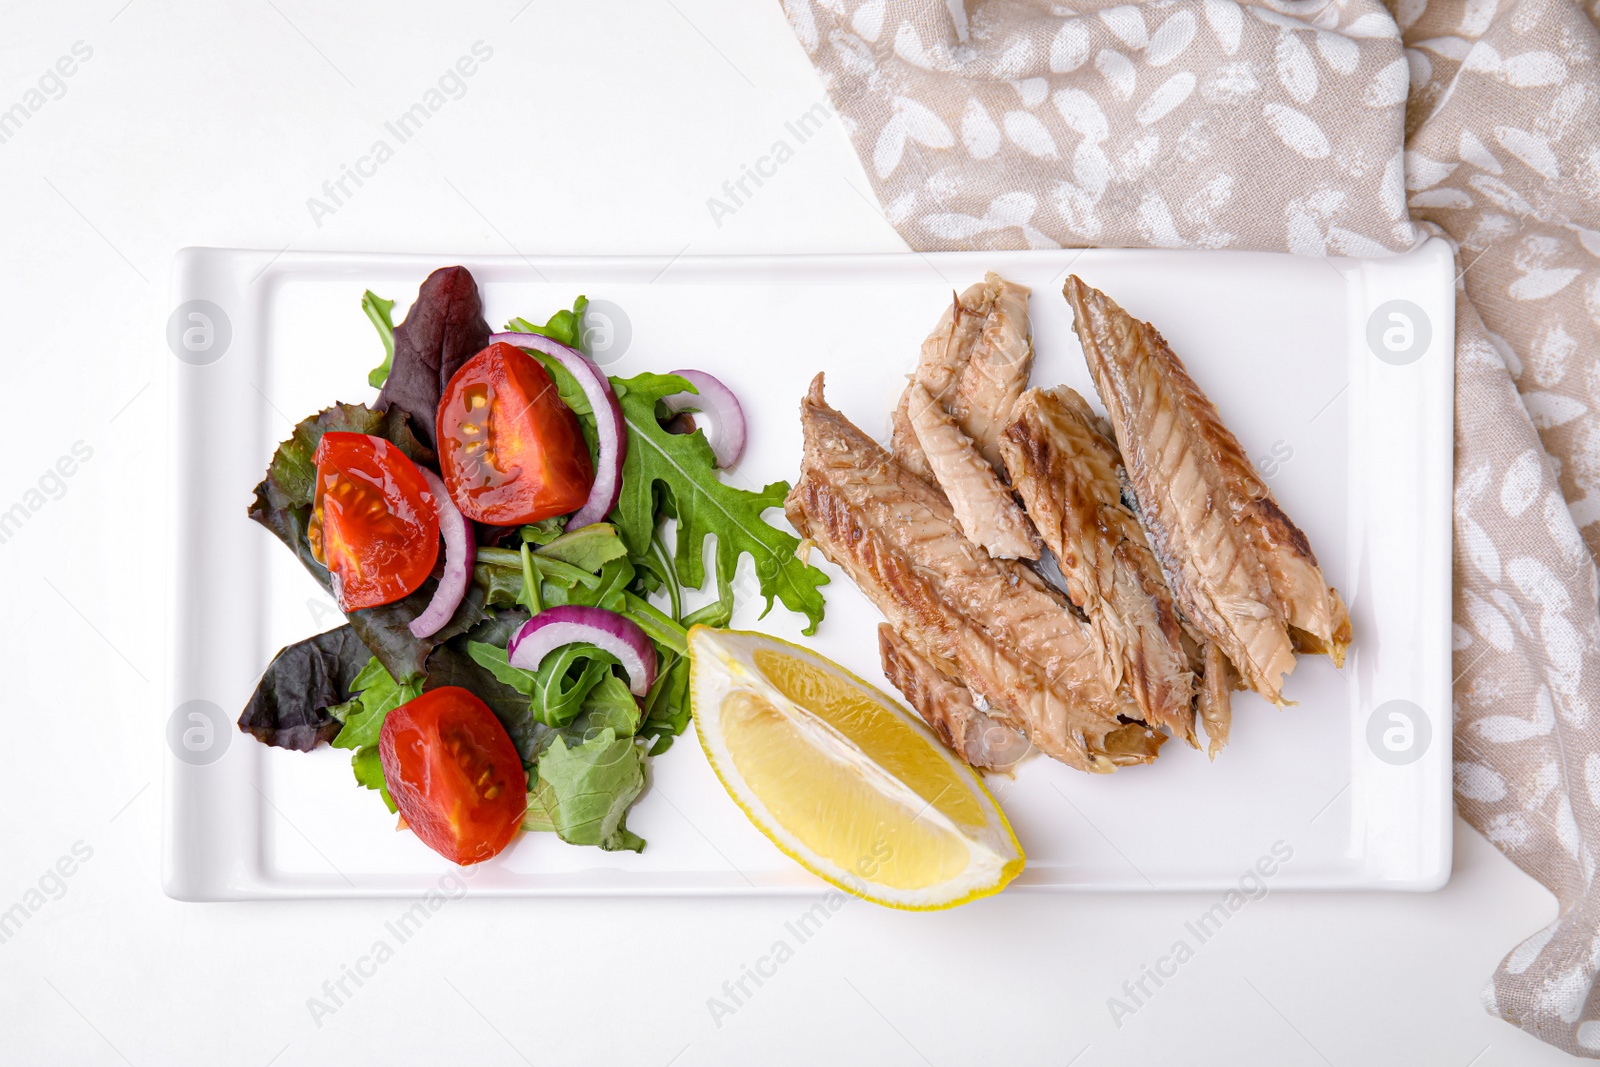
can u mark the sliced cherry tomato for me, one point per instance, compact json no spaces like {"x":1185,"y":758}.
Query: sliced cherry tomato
{"x":454,"y":774}
{"x":510,"y":449}
{"x":374,"y":523}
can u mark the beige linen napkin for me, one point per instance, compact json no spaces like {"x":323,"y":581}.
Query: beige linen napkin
{"x":1308,"y":126}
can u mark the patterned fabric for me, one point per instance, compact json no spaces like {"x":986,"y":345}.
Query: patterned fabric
{"x":1341,"y":128}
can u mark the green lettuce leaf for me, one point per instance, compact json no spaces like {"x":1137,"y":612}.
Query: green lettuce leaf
{"x":676,"y":474}
{"x":590,"y":548}
{"x":623,"y":840}
{"x":608,"y":706}
{"x":377,"y":695}
{"x":534,"y":818}
{"x":368,"y":767}
{"x":498,"y":573}
{"x":500,"y":585}
{"x":544,"y":531}
{"x":586,"y":789}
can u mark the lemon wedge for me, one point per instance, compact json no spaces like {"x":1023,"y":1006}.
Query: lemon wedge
{"x":849,"y":784}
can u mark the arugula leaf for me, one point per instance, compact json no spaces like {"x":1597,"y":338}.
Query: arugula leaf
{"x":657,"y":626}
{"x":719,"y":612}
{"x":283,"y":505}
{"x":492,"y":658}
{"x":564,"y":326}
{"x":363,"y":715}
{"x":572,"y":680}
{"x":586,"y":789}
{"x":289,"y":708}
{"x":659,"y":564}
{"x":368,"y":767}
{"x":612,"y":592}
{"x":570,"y":391}
{"x":378,"y":309}
{"x":552,"y":571}
{"x":528,"y":592}
{"x":565,"y":679}
{"x":677,"y":472}
{"x":667,"y":707}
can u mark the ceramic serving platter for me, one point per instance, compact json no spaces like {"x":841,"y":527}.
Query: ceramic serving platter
{"x":1334,"y":373}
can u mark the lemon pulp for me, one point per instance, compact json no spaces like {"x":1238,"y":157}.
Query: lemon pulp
{"x":843,"y":779}
{"x":808,"y":792}
{"x":882,"y":736}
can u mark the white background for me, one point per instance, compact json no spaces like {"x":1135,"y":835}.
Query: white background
{"x":597,"y":127}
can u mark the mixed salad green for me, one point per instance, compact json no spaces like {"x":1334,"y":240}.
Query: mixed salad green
{"x":583,"y":736}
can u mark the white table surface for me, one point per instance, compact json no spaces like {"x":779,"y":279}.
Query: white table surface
{"x":600,"y":126}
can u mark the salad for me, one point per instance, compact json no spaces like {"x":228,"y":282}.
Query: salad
{"x":510,"y":534}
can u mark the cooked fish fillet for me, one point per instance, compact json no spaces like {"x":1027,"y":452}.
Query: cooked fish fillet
{"x":944,"y":356}
{"x":1242,"y":573}
{"x":975,"y":363}
{"x":948,"y":707}
{"x":985,"y":509}
{"x":998,"y":370}
{"x":1065,"y":469}
{"x":993,"y":625}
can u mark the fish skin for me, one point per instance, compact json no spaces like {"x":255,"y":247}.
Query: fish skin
{"x":1065,"y":470}
{"x":1242,"y":572}
{"x":984,"y":508}
{"x":1215,"y":699}
{"x":993,"y":625}
{"x":948,"y":707}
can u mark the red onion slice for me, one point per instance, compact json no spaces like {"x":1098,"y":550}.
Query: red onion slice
{"x":613,"y":436}
{"x":571,"y":624}
{"x":718,"y":404}
{"x":459,"y":553}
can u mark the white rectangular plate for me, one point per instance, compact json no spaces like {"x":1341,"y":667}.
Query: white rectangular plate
{"x":1357,"y":449}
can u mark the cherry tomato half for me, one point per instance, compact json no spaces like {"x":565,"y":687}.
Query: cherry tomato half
{"x":374,"y":522}
{"x":510,"y":449}
{"x":454,"y":774}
